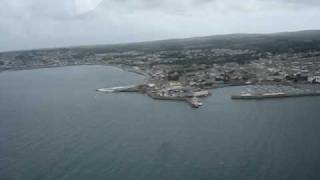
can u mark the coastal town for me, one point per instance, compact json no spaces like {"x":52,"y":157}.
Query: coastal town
{"x":174,"y":81}
{"x":189,"y":73}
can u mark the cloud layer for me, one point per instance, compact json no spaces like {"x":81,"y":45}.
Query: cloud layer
{"x":51,"y":23}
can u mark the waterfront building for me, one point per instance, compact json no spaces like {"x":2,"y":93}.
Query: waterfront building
{"x":314,"y":79}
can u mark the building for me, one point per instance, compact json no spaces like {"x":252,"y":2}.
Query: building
{"x":314,"y":79}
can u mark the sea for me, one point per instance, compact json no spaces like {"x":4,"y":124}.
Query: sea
{"x":55,"y":126}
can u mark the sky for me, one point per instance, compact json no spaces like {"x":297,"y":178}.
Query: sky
{"x":32,"y":24}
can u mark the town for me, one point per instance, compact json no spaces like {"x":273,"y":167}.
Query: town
{"x":188,"y":72}
{"x":171,"y":80}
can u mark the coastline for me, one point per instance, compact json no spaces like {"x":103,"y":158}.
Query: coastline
{"x":142,"y":88}
{"x":122,"y":67}
{"x":23,"y":68}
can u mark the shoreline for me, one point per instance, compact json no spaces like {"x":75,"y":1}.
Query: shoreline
{"x":44,"y":67}
{"x":121,"y":67}
{"x":139,"y":88}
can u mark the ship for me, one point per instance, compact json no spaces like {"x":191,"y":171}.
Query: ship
{"x":195,"y":102}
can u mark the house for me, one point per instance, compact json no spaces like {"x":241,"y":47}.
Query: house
{"x":314,"y":79}
{"x":297,"y":77}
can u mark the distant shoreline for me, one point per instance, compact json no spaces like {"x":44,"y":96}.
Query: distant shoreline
{"x":122,"y":67}
{"x":140,"y":72}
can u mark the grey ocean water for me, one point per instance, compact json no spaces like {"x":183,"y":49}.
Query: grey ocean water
{"x":53,"y":125}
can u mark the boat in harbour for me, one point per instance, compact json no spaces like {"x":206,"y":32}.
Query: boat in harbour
{"x":195,"y":102}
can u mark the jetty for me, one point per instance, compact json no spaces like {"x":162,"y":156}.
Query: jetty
{"x":132,"y":88}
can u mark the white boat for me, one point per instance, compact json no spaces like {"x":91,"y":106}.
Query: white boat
{"x":195,"y":102}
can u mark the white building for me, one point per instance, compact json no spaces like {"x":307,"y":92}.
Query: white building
{"x":314,"y":79}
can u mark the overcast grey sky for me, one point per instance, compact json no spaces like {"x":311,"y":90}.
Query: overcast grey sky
{"x":27,"y":24}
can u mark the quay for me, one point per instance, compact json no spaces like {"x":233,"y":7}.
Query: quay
{"x":273,"y":95}
{"x":193,"y":101}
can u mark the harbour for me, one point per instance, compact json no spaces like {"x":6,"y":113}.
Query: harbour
{"x":251,"y":92}
{"x":192,"y":100}
{"x":82,"y":134}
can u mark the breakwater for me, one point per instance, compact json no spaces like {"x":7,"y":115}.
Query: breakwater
{"x":276,"y":95}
